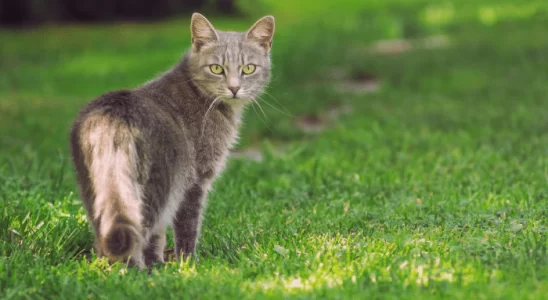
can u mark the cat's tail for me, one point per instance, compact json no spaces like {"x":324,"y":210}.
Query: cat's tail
{"x":116,"y":171}
{"x":122,"y":237}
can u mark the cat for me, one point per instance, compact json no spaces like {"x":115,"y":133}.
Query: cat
{"x":146,"y":158}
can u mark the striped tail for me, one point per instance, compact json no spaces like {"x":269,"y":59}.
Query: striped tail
{"x":121,"y":239}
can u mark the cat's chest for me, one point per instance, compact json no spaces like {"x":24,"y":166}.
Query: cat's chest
{"x":213,"y":149}
{"x":212,"y":156}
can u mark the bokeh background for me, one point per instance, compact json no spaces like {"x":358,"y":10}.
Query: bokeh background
{"x":32,"y":12}
{"x":400,"y":150}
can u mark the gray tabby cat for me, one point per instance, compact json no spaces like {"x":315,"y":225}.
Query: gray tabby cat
{"x":146,"y":158}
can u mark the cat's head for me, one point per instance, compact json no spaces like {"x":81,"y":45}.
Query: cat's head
{"x":231,"y":66}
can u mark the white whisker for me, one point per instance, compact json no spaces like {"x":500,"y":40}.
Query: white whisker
{"x":285,"y":111}
{"x":261,"y":108}
{"x":205,"y":115}
{"x":253,"y":101}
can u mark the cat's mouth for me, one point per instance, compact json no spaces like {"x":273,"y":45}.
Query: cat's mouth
{"x":233,"y":96}
{"x":232,"y":100}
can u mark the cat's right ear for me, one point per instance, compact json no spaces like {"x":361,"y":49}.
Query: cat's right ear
{"x":262,"y":33}
{"x":202,"y":31}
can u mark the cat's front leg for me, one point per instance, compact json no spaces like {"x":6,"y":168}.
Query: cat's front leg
{"x":188,"y":220}
{"x":154,"y":250}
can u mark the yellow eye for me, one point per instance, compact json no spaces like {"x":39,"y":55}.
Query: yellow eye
{"x":248,"y":69}
{"x":216,"y":69}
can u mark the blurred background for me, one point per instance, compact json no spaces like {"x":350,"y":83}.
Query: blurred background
{"x":339,"y":65}
{"x":34,"y":12}
{"x":330,"y":57}
{"x":347,"y":68}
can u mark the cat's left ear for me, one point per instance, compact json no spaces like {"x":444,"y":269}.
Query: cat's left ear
{"x":202,"y":31}
{"x":262,"y":32}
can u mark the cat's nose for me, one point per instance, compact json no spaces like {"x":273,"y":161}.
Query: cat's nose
{"x":234,"y":89}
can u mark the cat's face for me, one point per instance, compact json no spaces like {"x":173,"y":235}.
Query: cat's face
{"x":231,"y":66}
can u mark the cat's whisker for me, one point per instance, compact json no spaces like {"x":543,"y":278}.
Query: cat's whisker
{"x":268,"y":86}
{"x":261,"y":108}
{"x":285,"y":111}
{"x":205,"y":115}
{"x":274,"y":78}
{"x":258,"y":115}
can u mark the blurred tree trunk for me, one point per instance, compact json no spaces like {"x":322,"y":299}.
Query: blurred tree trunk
{"x":25,"y":12}
{"x":227,"y":7}
{"x":13,"y":12}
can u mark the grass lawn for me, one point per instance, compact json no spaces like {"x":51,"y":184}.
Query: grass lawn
{"x":431,"y":183}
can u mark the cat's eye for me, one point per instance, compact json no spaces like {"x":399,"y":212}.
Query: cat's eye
{"x":248,"y":69}
{"x":216,"y":69}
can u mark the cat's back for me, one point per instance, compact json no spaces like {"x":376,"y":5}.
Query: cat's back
{"x":125,"y":117}
{"x":116,"y":106}
{"x":124,"y":109}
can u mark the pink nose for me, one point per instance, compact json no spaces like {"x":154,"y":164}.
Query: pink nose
{"x":234,"y":90}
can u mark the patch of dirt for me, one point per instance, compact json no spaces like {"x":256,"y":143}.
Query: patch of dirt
{"x":436,"y":41}
{"x":252,"y":153}
{"x":311,"y":123}
{"x":316,"y":123}
{"x":335,"y":112}
{"x":257,"y":153}
{"x":392,"y":47}
{"x":360,"y":82}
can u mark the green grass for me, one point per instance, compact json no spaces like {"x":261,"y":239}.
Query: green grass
{"x":435,"y":186}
